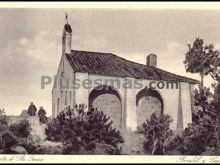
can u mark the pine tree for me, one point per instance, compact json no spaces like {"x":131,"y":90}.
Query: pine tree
{"x":157,"y":133}
{"x":201,"y":59}
{"x":82,"y":131}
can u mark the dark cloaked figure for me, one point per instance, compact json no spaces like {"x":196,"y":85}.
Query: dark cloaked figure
{"x":42,"y":115}
{"x":32,"y":109}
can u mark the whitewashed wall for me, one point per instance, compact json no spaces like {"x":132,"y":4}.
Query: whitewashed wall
{"x":128,"y":97}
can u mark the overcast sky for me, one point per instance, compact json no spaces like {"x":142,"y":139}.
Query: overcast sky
{"x":30,"y":43}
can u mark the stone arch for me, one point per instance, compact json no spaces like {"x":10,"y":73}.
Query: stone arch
{"x":148,"y":101}
{"x":107,"y":99}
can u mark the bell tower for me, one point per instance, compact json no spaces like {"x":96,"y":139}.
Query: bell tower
{"x":67,"y":38}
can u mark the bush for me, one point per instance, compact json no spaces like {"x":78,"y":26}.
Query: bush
{"x":203,"y":133}
{"x":17,"y":134}
{"x":198,"y":136}
{"x":81,"y":131}
{"x":31,"y":146}
{"x":3,"y":124}
{"x":21,"y":130}
{"x":8,"y":141}
{"x":2,"y":112}
{"x":157,"y":133}
{"x":216,"y":97}
{"x":3,"y":129}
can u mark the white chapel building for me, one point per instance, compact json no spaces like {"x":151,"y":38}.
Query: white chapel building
{"x":128,"y":107}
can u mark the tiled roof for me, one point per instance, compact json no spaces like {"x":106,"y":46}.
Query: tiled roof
{"x":109,"y":64}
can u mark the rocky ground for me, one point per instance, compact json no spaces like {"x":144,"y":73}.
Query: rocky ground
{"x":37,"y":135}
{"x":133,"y":141}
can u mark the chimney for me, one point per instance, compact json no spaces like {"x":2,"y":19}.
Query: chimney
{"x":152,"y":60}
{"x":67,"y":39}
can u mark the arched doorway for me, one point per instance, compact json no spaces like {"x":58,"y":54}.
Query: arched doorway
{"x":107,"y":100}
{"x":148,"y":102}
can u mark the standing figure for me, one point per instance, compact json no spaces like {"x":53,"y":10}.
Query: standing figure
{"x":42,"y":115}
{"x":32,"y":109}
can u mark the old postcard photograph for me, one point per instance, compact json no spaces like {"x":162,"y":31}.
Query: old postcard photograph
{"x":110,"y":82}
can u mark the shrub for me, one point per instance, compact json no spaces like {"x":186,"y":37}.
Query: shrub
{"x":203,"y":133}
{"x":16,"y":135}
{"x":31,"y":146}
{"x":81,"y":131}
{"x":198,"y":136}
{"x":157,"y":133}
{"x":2,"y":112}
{"x":175,"y":144}
{"x":21,"y":130}
{"x":3,"y":129}
{"x":8,"y":141}
{"x":216,"y":97}
{"x":3,"y":124}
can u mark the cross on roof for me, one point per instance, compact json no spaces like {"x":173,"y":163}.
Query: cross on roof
{"x":66,"y":17}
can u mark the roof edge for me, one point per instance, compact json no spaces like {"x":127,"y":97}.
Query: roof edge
{"x":190,"y":80}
